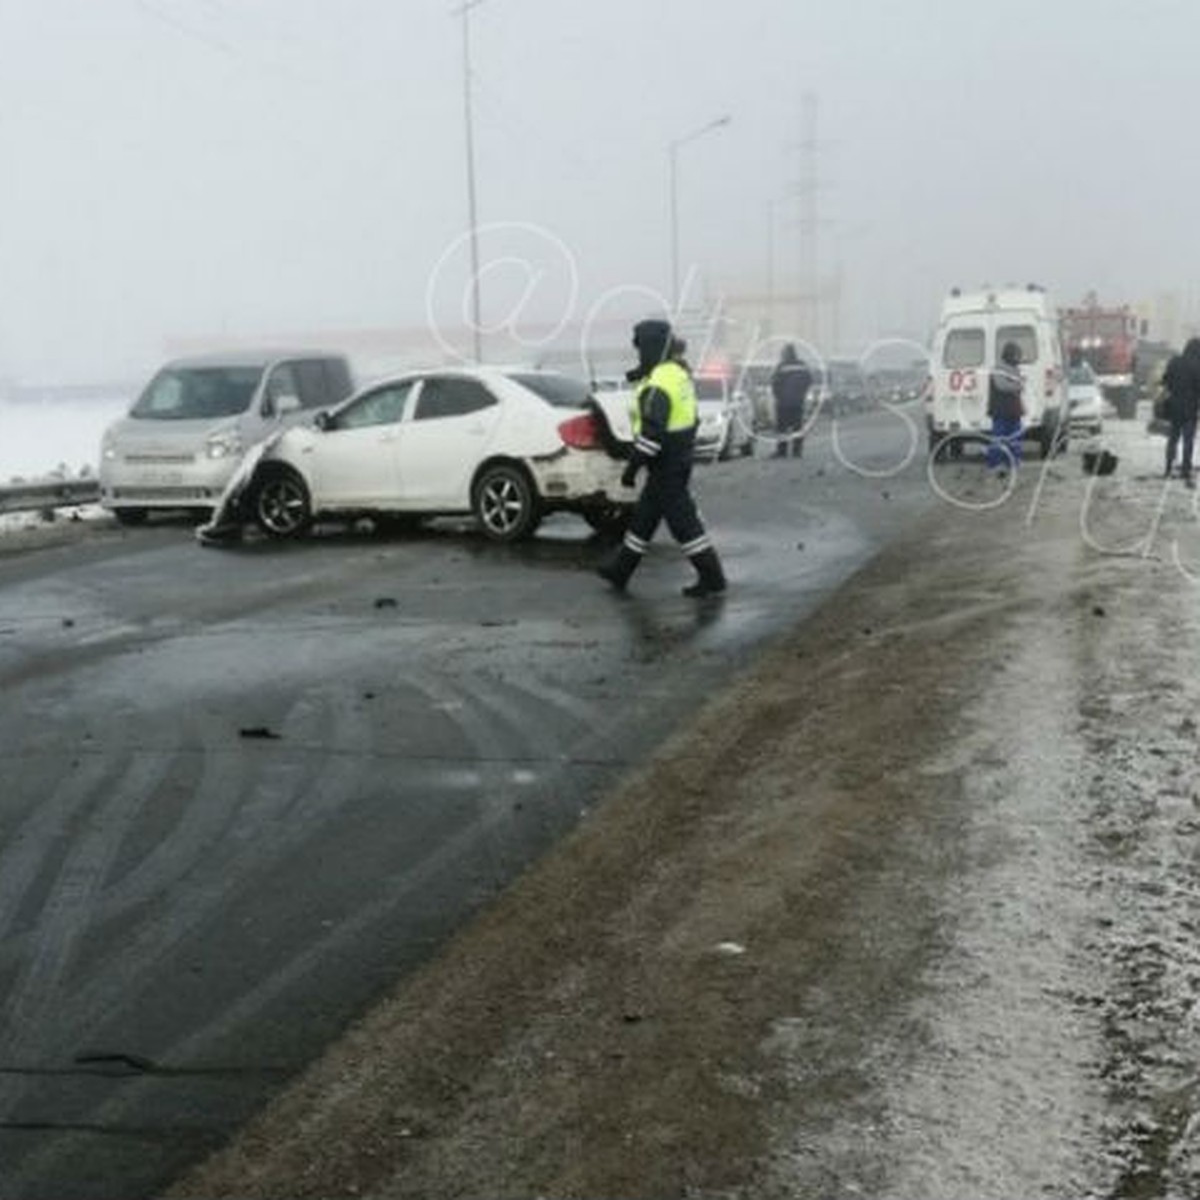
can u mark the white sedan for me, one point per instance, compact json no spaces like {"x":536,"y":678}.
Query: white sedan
{"x":726,"y":419}
{"x":1085,"y":400}
{"x":508,"y":446}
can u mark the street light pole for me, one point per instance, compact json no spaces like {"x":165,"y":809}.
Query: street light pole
{"x":476,"y":321}
{"x":673,"y":167}
{"x":770,"y":322}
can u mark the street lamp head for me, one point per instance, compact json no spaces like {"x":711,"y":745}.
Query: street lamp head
{"x":716,"y":123}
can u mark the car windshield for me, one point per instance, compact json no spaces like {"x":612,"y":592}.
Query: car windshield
{"x":1081,"y":375}
{"x":560,"y":390}
{"x":196,"y":393}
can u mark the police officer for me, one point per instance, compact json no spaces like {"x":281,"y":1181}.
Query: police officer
{"x":790,"y":382}
{"x":1181,"y":380}
{"x":664,"y":418}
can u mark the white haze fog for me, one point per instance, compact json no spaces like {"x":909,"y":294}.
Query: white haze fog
{"x":46,"y":436}
{"x":180,"y":172}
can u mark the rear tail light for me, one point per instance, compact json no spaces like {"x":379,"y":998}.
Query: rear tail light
{"x":581,"y":433}
{"x":1051,"y":380}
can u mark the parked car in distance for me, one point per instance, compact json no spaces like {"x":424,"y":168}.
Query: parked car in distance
{"x":508,"y":446}
{"x":1085,"y":400}
{"x":185,"y":434}
{"x":609,"y":383}
{"x":754,"y":378}
{"x":726,"y":419}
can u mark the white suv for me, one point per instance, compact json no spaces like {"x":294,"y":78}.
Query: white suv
{"x":188,"y":430}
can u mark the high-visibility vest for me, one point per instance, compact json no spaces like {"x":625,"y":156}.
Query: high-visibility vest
{"x":676,"y":383}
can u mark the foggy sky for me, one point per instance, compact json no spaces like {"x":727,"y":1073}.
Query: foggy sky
{"x":178,"y":168}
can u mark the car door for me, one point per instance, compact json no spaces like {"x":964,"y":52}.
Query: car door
{"x":449,"y":432}
{"x":960,"y":375}
{"x":352,"y":462}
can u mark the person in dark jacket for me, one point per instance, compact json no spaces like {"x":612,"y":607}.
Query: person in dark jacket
{"x":1005,"y":407}
{"x":664,"y":417}
{"x":790,"y":383}
{"x":1181,"y":381}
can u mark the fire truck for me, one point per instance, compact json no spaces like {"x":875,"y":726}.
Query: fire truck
{"x":1106,"y":338}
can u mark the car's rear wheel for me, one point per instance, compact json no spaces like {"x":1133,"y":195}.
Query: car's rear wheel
{"x":506,"y":504}
{"x":130,"y":516}
{"x":281,"y":504}
{"x":949,"y":446}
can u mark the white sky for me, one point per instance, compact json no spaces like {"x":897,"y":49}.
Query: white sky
{"x":178,"y":168}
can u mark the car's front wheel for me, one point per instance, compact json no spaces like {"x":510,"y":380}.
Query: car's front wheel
{"x":506,"y":503}
{"x":281,"y":504}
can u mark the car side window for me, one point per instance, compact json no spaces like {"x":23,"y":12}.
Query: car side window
{"x":383,"y":406}
{"x":448,"y":396}
{"x":314,"y":390}
{"x":338,"y":383}
{"x":282,"y":382}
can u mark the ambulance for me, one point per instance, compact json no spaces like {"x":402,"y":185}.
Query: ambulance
{"x":973,"y":329}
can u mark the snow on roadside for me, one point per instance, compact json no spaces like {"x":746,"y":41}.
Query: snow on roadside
{"x":1049,"y":1047}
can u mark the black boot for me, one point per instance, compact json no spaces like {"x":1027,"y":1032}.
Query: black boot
{"x":618,"y":568}
{"x":712,"y":577}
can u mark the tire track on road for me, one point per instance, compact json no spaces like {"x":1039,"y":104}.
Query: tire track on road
{"x":281,"y":810}
{"x":69,"y":909}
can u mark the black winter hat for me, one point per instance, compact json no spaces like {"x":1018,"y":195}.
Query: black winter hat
{"x":653,"y":339}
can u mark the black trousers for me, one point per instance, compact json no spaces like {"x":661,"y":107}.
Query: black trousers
{"x":1182,"y":430}
{"x":789,"y":421}
{"x":666,"y":497}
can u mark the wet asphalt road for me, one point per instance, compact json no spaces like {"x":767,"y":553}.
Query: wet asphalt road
{"x":245,"y":790}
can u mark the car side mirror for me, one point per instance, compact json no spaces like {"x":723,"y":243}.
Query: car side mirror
{"x":321,"y":420}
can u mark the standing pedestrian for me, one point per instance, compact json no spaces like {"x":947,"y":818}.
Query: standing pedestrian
{"x":790,"y":383}
{"x":664,"y":418}
{"x":1006,"y":408}
{"x":1181,"y":379}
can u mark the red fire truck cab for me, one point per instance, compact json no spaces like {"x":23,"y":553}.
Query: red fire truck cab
{"x":1106,"y":338}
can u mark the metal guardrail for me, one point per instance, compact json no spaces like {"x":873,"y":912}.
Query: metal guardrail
{"x":48,"y":493}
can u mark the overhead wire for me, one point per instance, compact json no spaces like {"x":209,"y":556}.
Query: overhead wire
{"x":184,"y":28}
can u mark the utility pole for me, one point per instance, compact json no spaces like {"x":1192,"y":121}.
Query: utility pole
{"x":770,"y":321}
{"x":673,"y":184}
{"x":810,"y":284}
{"x":464,"y":11}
